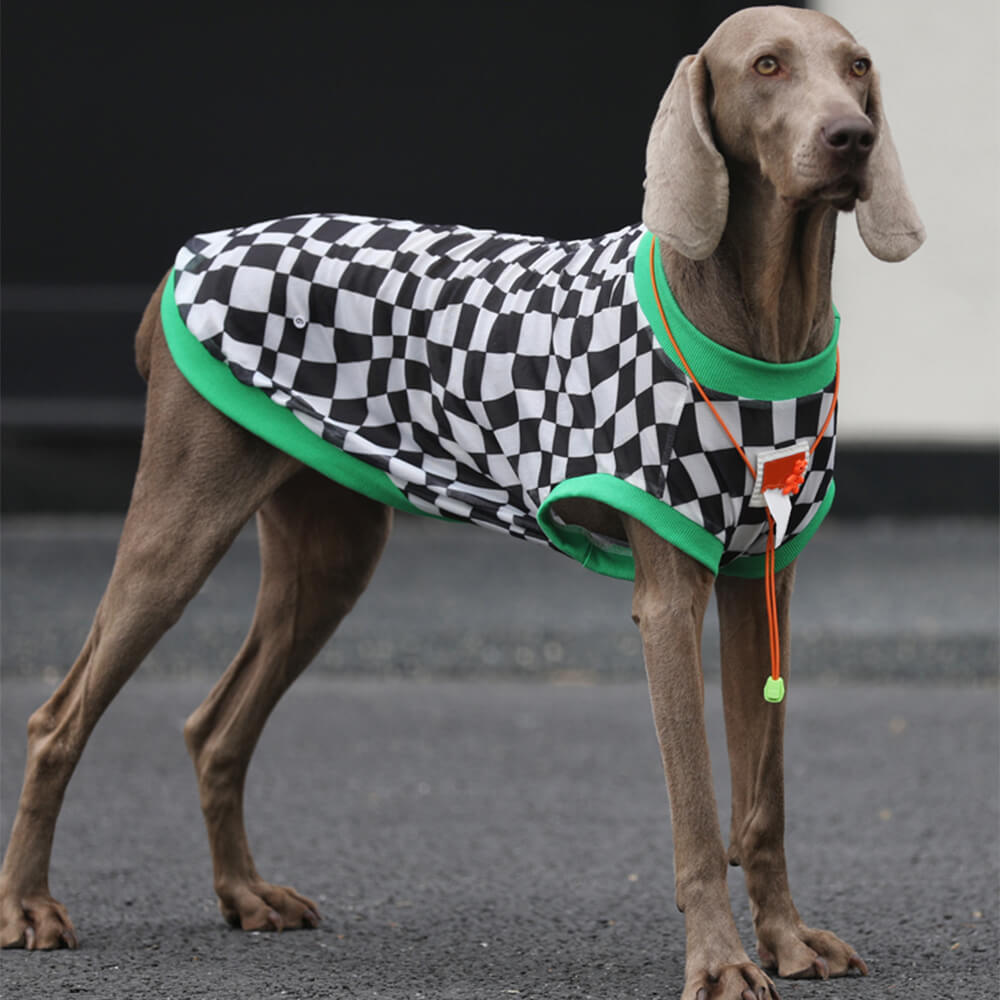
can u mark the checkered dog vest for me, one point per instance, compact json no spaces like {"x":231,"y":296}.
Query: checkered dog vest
{"x":483,"y":377}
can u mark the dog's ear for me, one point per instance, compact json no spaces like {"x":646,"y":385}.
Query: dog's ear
{"x":687,"y":186}
{"x":887,"y":219}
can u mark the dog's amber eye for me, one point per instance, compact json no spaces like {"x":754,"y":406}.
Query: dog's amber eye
{"x":860,"y":67}
{"x":766,"y":66}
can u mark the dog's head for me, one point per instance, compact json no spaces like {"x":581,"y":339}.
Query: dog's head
{"x":787,"y":95}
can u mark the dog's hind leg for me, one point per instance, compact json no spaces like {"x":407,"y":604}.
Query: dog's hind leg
{"x":319,"y":546}
{"x":200,"y":479}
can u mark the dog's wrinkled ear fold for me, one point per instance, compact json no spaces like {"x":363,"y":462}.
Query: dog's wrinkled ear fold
{"x":887,"y":219}
{"x":687,"y":186}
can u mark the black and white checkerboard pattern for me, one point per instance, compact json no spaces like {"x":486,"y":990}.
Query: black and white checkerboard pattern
{"x":480,"y":370}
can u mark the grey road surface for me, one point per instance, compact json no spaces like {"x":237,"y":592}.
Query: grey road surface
{"x":468,"y":782}
{"x":874,"y":601}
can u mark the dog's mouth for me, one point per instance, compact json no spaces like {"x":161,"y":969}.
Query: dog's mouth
{"x":842,"y":193}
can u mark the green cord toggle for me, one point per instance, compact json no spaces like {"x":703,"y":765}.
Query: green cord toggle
{"x":774,"y":690}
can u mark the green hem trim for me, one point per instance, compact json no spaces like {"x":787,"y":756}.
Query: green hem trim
{"x":716,"y":366}
{"x":691,"y":538}
{"x":253,"y":409}
{"x":616,"y":560}
{"x":752,"y":567}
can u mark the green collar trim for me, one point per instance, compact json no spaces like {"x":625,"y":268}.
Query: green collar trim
{"x":718,"y":367}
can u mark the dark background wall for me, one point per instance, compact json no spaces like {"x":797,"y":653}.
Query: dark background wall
{"x":125,"y":132}
{"x":128,"y":127}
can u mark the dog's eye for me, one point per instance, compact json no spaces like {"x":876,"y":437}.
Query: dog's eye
{"x":860,"y":67}
{"x":766,"y":66}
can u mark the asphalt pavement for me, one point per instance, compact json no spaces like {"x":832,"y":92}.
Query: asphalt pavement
{"x":468,"y":780}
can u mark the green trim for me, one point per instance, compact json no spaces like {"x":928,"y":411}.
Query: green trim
{"x":752,"y":567}
{"x":253,"y":409}
{"x":716,"y":366}
{"x":691,"y":538}
{"x":616,"y":560}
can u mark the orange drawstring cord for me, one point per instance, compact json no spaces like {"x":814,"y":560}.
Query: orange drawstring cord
{"x":774,"y":690}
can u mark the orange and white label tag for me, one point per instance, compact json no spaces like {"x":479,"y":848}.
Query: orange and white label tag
{"x":780,"y":474}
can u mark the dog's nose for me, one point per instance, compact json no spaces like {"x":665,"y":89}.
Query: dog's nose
{"x":849,"y":139}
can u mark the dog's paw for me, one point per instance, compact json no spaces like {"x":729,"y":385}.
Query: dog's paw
{"x":800,"y":952}
{"x":743,"y":981}
{"x":260,"y":906}
{"x":35,"y":922}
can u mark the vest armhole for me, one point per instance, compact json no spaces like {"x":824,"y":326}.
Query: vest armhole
{"x":610,"y":558}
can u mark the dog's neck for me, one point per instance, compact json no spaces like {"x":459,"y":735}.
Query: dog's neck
{"x":771,"y":270}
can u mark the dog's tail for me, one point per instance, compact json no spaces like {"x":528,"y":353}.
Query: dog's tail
{"x":148,"y":327}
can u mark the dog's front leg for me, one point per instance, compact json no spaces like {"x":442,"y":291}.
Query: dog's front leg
{"x":754,"y":731}
{"x":671,"y":594}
